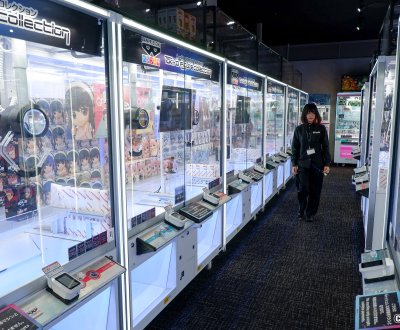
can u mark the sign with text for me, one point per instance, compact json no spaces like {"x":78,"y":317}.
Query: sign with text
{"x":378,"y":311}
{"x":275,"y":88}
{"x":11,"y":317}
{"x":155,"y":53}
{"x":244,"y":79}
{"x":51,"y":24}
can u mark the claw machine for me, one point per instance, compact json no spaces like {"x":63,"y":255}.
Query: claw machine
{"x":365,"y":99}
{"x":172,"y":117}
{"x":382,"y":82}
{"x":244,"y":97}
{"x":58,"y":258}
{"x":347,"y":126}
{"x":292,"y":121}
{"x":274,"y":132}
{"x":392,"y":200}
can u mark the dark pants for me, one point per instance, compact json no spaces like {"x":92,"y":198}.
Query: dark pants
{"x":309,"y":185}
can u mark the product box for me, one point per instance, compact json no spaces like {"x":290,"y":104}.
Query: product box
{"x":162,"y":18}
{"x":19,"y":201}
{"x":176,"y":18}
{"x":192,"y":27}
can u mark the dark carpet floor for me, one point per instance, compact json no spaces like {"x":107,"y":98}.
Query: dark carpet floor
{"x":279,"y":273}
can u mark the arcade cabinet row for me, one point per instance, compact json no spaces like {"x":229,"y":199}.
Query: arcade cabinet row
{"x":128,"y":160}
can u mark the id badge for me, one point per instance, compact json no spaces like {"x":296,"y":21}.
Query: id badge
{"x":310,"y":151}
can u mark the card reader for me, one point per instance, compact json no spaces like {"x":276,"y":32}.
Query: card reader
{"x":65,"y":286}
{"x":174,"y":219}
{"x":61,"y":284}
{"x":260,"y":169}
{"x":245,"y":178}
{"x":211,"y":198}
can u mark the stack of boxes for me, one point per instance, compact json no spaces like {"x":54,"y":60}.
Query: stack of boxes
{"x":178,"y":21}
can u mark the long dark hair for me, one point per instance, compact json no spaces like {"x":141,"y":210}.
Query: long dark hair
{"x":310,"y":108}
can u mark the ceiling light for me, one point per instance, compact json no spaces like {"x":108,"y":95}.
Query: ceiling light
{"x":230,"y":23}
{"x":358,"y":28}
{"x":147,"y":10}
{"x":199,"y":3}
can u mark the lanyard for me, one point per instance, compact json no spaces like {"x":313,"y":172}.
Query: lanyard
{"x":309,"y":136}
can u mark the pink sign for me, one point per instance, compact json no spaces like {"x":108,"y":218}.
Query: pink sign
{"x":345,"y":151}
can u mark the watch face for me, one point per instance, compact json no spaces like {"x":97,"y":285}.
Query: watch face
{"x":67,"y":280}
{"x":35,"y":122}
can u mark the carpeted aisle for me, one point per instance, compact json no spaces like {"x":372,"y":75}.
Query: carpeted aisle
{"x":279,"y":273}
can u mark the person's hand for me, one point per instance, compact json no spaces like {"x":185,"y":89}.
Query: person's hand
{"x":326,"y":169}
{"x":295,"y":169}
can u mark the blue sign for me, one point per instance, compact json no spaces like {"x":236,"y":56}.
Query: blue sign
{"x":241,"y":78}
{"x":275,"y":88}
{"x":151,"y":52}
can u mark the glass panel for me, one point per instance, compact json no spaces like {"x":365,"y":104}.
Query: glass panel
{"x":172,"y":130}
{"x":303,"y":102}
{"x":363,"y":99}
{"x":348,"y":110}
{"x":386,"y":126}
{"x":371,"y":118}
{"x":254,"y":148}
{"x":292,"y":115}
{"x":275,"y":109}
{"x":54,"y":170}
{"x":244,"y":125}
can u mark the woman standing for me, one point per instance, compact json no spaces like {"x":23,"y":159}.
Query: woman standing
{"x":310,"y":160}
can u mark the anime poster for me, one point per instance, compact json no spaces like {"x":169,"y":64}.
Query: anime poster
{"x":100,"y":109}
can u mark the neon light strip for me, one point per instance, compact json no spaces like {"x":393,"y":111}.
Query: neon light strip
{"x":247,"y":69}
{"x":143,"y":28}
{"x":86,"y":6}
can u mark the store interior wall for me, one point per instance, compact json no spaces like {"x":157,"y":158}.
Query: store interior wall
{"x":324,"y":77}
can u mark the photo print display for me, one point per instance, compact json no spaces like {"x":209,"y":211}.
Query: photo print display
{"x":242,"y":110}
{"x":176,"y":109}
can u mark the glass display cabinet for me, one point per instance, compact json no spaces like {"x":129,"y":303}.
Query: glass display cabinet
{"x":55,"y":187}
{"x":303,"y":102}
{"x":274,"y":130}
{"x":347,"y":126}
{"x":172,"y":137}
{"x":392,"y":201}
{"x":292,"y":120}
{"x":292,"y":115}
{"x":244,"y":97}
{"x":245,"y":105}
{"x":381,"y":82}
{"x":365,"y":99}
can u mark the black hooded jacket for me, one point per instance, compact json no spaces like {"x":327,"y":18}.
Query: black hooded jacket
{"x":311,"y":136}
